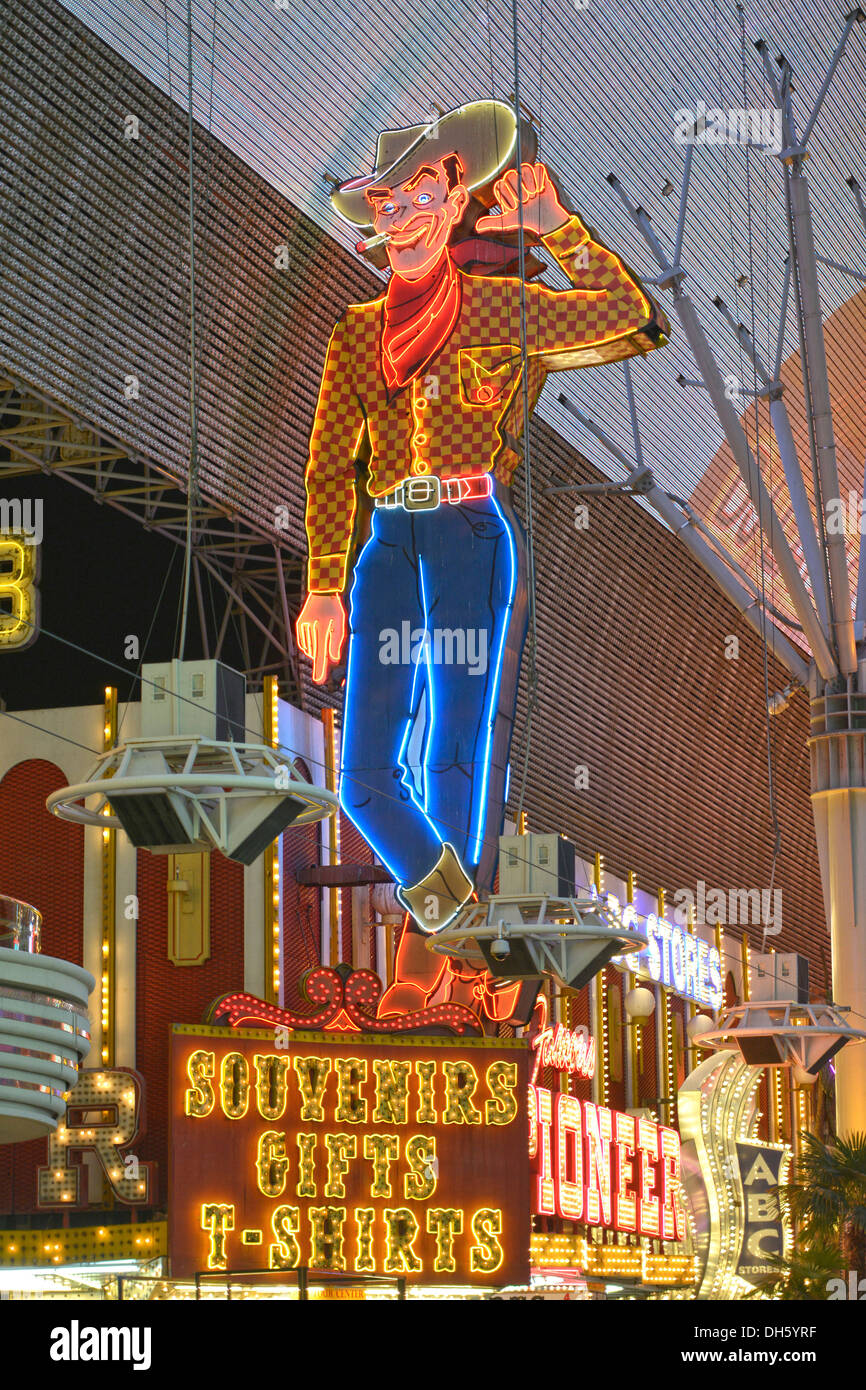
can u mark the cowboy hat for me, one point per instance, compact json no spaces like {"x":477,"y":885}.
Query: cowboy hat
{"x":483,"y":133}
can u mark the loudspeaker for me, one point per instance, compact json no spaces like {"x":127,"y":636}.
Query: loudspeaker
{"x":518,"y":964}
{"x":784,"y":975}
{"x":764,"y":1050}
{"x":192,"y":697}
{"x":157,"y":820}
{"x":255,"y":822}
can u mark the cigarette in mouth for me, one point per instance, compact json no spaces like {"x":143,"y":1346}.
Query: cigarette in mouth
{"x":381,"y":239}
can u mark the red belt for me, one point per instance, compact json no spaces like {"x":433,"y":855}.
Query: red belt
{"x":425,"y":494}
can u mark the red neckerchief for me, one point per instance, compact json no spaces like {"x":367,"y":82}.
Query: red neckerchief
{"x":418,"y":319}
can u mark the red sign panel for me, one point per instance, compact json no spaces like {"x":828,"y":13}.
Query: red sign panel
{"x":349,"y":1153}
{"x":604,"y":1167}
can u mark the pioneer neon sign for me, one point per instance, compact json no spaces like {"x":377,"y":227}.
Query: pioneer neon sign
{"x":673,"y":957}
{"x":603,"y":1167}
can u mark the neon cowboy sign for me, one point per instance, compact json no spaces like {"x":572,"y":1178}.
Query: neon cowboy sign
{"x":672,"y":957}
{"x":409,"y":514}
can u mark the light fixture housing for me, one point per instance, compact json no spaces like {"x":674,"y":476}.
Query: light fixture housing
{"x":189,"y":782}
{"x":783,"y":1033}
{"x":569,"y":939}
{"x":640,"y":1003}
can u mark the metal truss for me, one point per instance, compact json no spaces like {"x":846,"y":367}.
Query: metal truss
{"x":823,"y":607}
{"x":259,"y":579}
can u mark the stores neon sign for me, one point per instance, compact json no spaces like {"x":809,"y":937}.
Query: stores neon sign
{"x":673,"y":957}
{"x":603,"y":1167}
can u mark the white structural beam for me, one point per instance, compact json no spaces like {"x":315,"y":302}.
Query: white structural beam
{"x":707,"y":556}
{"x":684,"y":308}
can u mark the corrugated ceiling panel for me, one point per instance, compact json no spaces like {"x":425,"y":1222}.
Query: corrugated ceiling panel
{"x":300,"y":92}
{"x":632,"y":676}
{"x":93,"y":280}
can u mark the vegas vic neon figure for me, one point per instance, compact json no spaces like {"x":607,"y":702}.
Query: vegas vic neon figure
{"x":409,"y":515}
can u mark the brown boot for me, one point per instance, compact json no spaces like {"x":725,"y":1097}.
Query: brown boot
{"x":401,"y":998}
{"x":417,"y":973}
{"x":440,"y":895}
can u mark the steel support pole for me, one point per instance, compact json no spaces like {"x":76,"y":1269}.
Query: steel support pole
{"x":749,"y":607}
{"x":803,"y":250}
{"x":839,"y":808}
{"x":684,"y":308}
{"x":781,"y":422}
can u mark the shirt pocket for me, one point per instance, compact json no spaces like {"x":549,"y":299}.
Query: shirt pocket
{"x":489,"y":375}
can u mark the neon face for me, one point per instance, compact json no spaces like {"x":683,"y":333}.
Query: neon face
{"x":418,"y":218}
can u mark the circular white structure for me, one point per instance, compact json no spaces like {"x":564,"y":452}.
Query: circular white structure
{"x":526,"y":937}
{"x":44,"y":1028}
{"x":188,"y":792}
{"x":781,"y":1033}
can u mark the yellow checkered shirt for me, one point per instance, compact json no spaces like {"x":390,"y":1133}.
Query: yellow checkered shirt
{"x":453,"y":419}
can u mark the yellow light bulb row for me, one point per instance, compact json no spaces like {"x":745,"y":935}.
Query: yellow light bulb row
{"x":81,"y":1244}
{"x":109,"y":889}
{"x":670,"y":1060}
{"x":604,"y":1039}
{"x":273,"y":941}
{"x":575,"y":1252}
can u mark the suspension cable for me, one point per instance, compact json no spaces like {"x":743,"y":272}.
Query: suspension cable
{"x":192,"y":487}
{"x":532,"y":676}
{"x":771,"y":787}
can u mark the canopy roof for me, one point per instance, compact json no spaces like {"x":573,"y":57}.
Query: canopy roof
{"x":301,"y":93}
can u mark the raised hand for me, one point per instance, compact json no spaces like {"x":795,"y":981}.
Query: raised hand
{"x":542,"y":210}
{"x":321,"y":632}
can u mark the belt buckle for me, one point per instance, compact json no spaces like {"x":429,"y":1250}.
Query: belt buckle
{"x":421,"y":494}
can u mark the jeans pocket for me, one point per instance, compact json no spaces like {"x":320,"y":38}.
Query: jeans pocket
{"x":483,"y":519}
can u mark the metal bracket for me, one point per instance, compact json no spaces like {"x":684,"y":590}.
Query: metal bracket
{"x":639,"y":483}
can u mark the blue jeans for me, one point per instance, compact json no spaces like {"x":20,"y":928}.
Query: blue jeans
{"x":437,"y":623}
